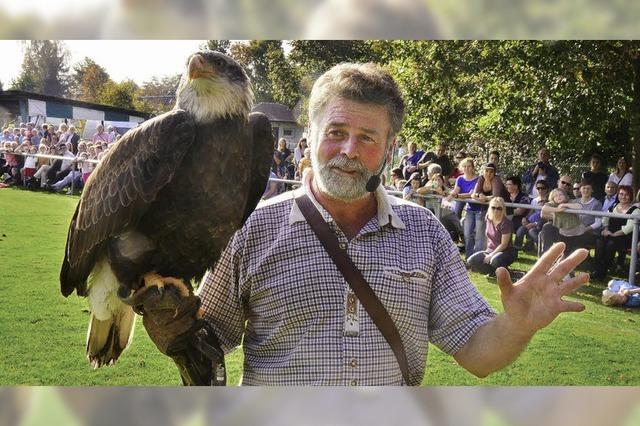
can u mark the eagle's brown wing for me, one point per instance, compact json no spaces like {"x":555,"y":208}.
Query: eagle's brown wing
{"x":120,"y":190}
{"x":261,"y":157}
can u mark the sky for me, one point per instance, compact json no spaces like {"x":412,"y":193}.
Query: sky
{"x":138,"y":60}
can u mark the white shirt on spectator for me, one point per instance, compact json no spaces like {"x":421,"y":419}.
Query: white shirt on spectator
{"x":627,"y":179}
{"x":67,"y":163}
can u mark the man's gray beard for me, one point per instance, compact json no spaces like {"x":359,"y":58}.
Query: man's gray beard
{"x":339,"y":186}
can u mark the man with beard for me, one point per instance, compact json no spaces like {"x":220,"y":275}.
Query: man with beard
{"x":277,"y":286}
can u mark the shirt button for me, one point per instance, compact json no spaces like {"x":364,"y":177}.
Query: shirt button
{"x":354,"y":383}
{"x":353,"y":363}
{"x":343,"y":246}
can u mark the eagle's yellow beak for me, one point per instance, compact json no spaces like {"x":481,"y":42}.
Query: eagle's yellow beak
{"x":198,"y":68}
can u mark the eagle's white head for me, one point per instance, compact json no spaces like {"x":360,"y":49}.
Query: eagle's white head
{"x":214,"y":86}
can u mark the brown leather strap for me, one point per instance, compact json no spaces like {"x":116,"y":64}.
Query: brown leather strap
{"x":356,"y":281}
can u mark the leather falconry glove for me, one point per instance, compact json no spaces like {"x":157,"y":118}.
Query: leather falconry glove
{"x":175,"y":326}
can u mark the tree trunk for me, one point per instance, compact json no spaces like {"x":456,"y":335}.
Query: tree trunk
{"x":634,"y":115}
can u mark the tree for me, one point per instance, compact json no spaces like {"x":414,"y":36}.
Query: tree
{"x":87,"y":80}
{"x":44,"y":68}
{"x":222,"y":46}
{"x":516,"y":96}
{"x":158,"y":95}
{"x":122,"y":94}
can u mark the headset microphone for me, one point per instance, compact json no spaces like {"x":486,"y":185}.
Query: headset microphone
{"x":374,"y":180}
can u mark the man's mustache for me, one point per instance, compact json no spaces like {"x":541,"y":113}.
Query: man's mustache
{"x":345,"y":163}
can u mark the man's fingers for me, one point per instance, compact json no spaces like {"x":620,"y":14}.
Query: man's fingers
{"x":561,"y":269}
{"x":548,"y":259}
{"x":569,"y":306}
{"x":504,"y":280}
{"x":569,"y":286}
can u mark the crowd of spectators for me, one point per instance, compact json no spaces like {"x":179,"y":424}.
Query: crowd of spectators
{"x":23,"y":151}
{"x":490,"y":234}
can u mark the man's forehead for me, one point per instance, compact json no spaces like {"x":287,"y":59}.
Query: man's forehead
{"x":365,"y":115}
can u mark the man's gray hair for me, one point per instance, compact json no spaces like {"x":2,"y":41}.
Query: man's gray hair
{"x":434,"y":168}
{"x":366,"y":83}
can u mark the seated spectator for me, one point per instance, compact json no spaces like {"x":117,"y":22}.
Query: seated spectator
{"x":596,"y":177}
{"x":410,"y":190}
{"x":29,"y":169}
{"x":400,"y":184}
{"x":409,"y":162}
{"x":273,"y":188}
{"x":542,"y":170}
{"x":499,"y":251}
{"x":43,"y":164}
{"x":85,"y":166}
{"x":575,"y":192}
{"x":515,"y":215}
{"x":72,"y":179}
{"x":615,"y":235}
{"x":305,"y":163}
{"x":621,"y":293}
{"x":282,"y":161}
{"x":100,"y":135}
{"x":396,"y":175}
{"x":562,"y":226}
{"x":532,"y":224}
{"x":611,"y":196}
{"x":565,"y":183}
{"x":433,"y":186}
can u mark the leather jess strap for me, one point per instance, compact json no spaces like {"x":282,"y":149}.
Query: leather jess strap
{"x":356,"y":281}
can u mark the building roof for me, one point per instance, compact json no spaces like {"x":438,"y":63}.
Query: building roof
{"x":17,"y":94}
{"x":275,"y":112}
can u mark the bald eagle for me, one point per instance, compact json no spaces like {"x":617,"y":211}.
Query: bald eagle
{"x":165,"y":200}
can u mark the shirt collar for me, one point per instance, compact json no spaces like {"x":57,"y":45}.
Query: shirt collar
{"x":385,"y":213}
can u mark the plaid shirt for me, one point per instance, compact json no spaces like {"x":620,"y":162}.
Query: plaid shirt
{"x":275,"y":284}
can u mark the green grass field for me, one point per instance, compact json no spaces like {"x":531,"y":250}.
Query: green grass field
{"x":42,"y":333}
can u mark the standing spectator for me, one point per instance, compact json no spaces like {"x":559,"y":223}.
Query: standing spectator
{"x":282,"y":158}
{"x":499,"y":251}
{"x":494,"y":158}
{"x":532,"y":224}
{"x":596,"y":177}
{"x":611,"y":196}
{"x":410,"y":160}
{"x":615,"y":235}
{"x":488,"y":187}
{"x":298,"y":153}
{"x":305,"y":163}
{"x":441,"y":158}
{"x":515,"y":215}
{"x":112,"y":136}
{"x":465,"y":185}
{"x":63,"y":130}
{"x":100,"y":136}
{"x":542,"y":170}
{"x":457,"y":171}
{"x":622,"y":175}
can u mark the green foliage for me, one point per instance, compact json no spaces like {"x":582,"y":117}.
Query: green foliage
{"x":517,"y":96}
{"x":88,"y":79}
{"x":123,"y":94}
{"x":158,"y":94}
{"x":222,"y":46}
{"x":44,"y":68}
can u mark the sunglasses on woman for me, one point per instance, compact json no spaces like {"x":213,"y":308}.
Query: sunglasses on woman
{"x":496,"y":208}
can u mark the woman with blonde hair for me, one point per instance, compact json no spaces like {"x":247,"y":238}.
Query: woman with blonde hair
{"x":499,"y":252}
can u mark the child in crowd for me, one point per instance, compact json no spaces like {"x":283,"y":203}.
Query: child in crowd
{"x":85,"y":166}
{"x":30,"y":163}
{"x":410,"y":190}
{"x":621,"y":293}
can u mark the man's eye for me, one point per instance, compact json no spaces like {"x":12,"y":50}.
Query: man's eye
{"x":335,"y":133}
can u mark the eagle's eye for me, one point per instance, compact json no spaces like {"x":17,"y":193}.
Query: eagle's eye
{"x":218,"y":62}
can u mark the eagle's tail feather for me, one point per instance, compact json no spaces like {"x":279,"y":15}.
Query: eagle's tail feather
{"x":107,"y":339}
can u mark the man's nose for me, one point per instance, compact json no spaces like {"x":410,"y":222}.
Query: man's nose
{"x":350,"y":147}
